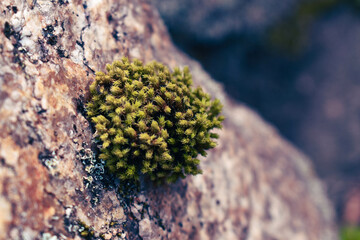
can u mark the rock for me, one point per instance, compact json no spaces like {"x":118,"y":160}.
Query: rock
{"x":330,"y":129}
{"x":352,"y":207}
{"x":255,"y":185}
{"x":300,"y":73}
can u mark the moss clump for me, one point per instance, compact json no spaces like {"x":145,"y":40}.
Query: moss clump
{"x":350,"y":233}
{"x":150,"y":121}
{"x":85,"y":231}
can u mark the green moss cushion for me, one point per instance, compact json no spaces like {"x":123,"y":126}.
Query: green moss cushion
{"x":150,"y":121}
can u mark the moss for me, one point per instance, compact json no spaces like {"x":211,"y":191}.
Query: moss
{"x":85,"y":231}
{"x":150,"y":121}
{"x":350,"y":233}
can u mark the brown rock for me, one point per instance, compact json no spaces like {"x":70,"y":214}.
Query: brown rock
{"x":352,"y":207}
{"x":254,"y":186}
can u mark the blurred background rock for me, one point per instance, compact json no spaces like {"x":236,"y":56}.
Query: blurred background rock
{"x":297,"y":63}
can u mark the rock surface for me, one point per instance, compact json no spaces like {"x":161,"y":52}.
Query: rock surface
{"x":255,"y":185}
{"x":301,"y":74}
{"x":332,"y":119}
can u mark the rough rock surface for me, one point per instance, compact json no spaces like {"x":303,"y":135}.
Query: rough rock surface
{"x":332,"y":119}
{"x":254,"y":186}
{"x":302,"y":75}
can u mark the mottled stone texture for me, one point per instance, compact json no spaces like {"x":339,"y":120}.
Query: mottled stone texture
{"x":255,"y":185}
